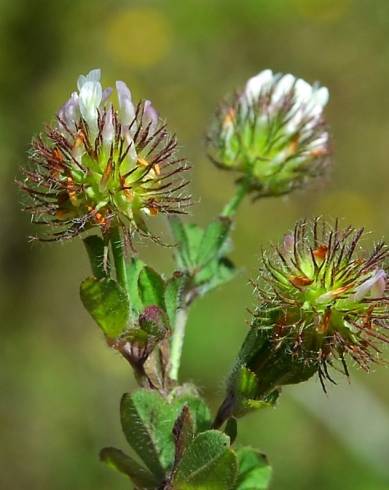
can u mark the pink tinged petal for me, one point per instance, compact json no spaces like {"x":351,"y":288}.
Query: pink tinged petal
{"x":108,"y":132}
{"x":126,"y":107}
{"x":107,"y":92}
{"x":374,"y":286}
{"x":288,"y":243}
{"x":70,"y":112}
{"x":150,"y":115}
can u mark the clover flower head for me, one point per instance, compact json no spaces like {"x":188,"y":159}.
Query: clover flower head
{"x":273,"y":132}
{"x":103,"y":165}
{"x":321,"y":301}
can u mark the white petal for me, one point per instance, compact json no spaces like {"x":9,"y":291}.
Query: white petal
{"x":92,"y":76}
{"x":259,"y":83}
{"x":321,"y":96}
{"x":303,"y":91}
{"x":283,"y":87}
{"x":90,"y":99}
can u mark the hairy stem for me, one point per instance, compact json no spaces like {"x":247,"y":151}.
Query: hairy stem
{"x":177,"y":343}
{"x":119,"y":256}
{"x":232,"y":206}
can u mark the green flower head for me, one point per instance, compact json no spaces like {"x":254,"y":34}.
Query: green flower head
{"x":101,"y":166}
{"x":321,"y":300}
{"x":273,"y":133}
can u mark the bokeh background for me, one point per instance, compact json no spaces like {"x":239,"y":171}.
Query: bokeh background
{"x":60,"y":385}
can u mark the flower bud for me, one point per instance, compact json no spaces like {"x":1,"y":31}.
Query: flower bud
{"x":273,"y":133}
{"x":101,"y":166}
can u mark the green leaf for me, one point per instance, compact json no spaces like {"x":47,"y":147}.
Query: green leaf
{"x":174,"y":295}
{"x":183,"y":432}
{"x":200,"y":412}
{"x":254,"y":470}
{"x":179,"y":235}
{"x":188,"y":237}
{"x":194,"y":237}
{"x":147,"y":422}
{"x":216,"y":273}
{"x":213,"y":240}
{"x":140,"y":476}
{"x":208,"y":463}
{"x":151,"y":288}
{"x":107,"y":303}
{"x":133,"y":271}
{"x":231,"y":429}
{"x":95,"y":248}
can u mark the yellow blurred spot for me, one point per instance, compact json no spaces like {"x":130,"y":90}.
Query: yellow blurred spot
{"x":138,"y":36}
{"x":322,"y":10}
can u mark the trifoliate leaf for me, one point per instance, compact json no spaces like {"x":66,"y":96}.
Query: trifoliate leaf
{"x":208,"y":463}
{"x":231,"y":429}
{"x":213,"y":241}
{"x":188,"y":237}
{"x":216,"y":273}
{"x":174,"y":295}
{"x":107,"y":303}
{"x":96,"y":249}
{"x":147,"y":422}
{"x":140,"y":476}
{"x":201,"y":415}
{"x":254,"y":470}
{"x":151,"y":288}
{"x":183,"y":432}
{"x":133,"y":271}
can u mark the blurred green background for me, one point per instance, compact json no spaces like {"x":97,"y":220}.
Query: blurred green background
{"x":60,"y":385}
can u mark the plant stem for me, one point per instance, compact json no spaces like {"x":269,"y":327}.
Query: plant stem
{"x":231,"y":207}
{"x":119,"y":256}
{"x":177,"y":343}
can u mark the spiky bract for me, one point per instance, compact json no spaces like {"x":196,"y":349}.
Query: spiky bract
{"x":321,"y":300}
{"x":103,"y":167}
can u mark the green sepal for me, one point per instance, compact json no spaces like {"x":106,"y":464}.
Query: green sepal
{"x":151,"y":288}
{"x":96,"y":249}
{"x":147,"y":421}
{"x":140,"y":476}
{"x":208,"y":462}
{"x":108,"y":305}
{"x":213,"y":241}
{"x":254,"y":470}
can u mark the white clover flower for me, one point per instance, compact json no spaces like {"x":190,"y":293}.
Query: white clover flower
{"x":104,"y":166}
{"x":273,"y":131}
